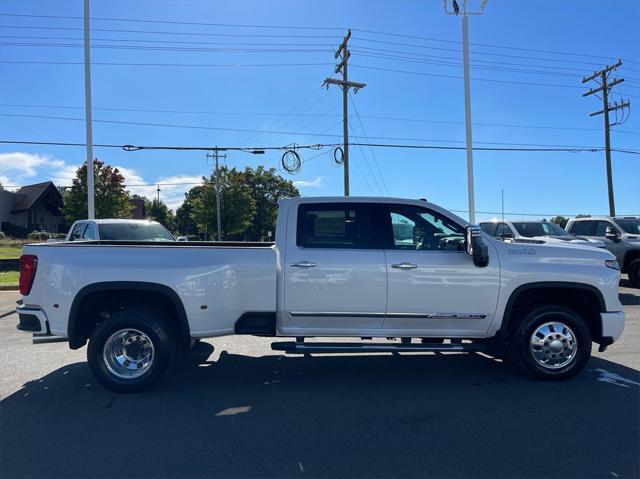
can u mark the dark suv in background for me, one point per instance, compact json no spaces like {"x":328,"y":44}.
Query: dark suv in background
{"x":621,"y":236}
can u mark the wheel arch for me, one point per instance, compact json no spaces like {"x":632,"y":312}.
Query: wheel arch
{"x":629,"y":256}
{"x":582,"y":298}
{"x":87,"y":297}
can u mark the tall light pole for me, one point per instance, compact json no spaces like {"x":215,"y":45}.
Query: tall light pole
{"x":467,"y":94}
{"x":88,"y":114}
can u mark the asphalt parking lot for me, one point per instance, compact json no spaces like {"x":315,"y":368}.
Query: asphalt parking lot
{"x":235,"y":408}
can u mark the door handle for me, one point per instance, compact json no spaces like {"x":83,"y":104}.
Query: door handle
{"x":404,"y":265}
{"x":303,"y":264}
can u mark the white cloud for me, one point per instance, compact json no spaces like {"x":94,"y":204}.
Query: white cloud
{"x":18,"y":168}
{"x":172,"y":188}
{"x":315,"y":183}
{"x":22,"y":165}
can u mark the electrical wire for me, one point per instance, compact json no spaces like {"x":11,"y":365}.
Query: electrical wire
{"x":577,"y":149}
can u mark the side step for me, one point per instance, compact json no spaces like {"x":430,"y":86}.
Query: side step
{"x":300,"y":347}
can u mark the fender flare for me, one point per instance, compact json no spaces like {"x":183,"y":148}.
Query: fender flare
{"x":506,"y":318}
{"x":72,"y":327}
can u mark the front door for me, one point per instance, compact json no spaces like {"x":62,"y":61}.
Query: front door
{"x":335,"y":274}
{"x":434,"y":289}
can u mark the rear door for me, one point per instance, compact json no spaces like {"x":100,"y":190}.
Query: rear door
{"x":334,"y":270}
{"x":433,"y":286}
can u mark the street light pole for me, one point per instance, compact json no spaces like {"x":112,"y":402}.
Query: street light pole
{"x":88,"y":113}
{"x":467,"y":117}
{"x":467,"y":95}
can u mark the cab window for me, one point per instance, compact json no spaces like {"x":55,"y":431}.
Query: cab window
{"x":77,"y":231}
{"x":584,"y":228}
{"x":90,"y":233}
{"x":601,"y":228}
{"x":417,"y":228}
{"x":503,"y":231}
{"x":337,"y":226}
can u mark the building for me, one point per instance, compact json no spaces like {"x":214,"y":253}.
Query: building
{"x":32,"y":208}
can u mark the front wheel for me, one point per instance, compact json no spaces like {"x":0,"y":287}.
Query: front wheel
{"x":131,"y":351}
{"x":550,"y":343}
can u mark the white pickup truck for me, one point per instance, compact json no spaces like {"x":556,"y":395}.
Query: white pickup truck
{"x":373,"y":269}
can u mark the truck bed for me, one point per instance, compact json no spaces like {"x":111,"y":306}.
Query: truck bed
{"x":216,"y":282}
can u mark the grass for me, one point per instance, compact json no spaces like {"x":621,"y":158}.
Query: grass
{"x":10,"y":252}
{"x":9,"y":278}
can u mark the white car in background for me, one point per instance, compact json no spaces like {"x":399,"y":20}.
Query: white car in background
{"x":118,"y":230}
{"x":534,"y":230}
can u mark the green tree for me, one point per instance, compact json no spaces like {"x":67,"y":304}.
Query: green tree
{"x":158,"y":211}
{"x":560,"y":220}
{"x":267,"y":188}
{"x":185,"y":222}
{"x":238,"y":206}
{"x":111,"y":199}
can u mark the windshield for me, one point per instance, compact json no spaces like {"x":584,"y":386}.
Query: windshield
{"x":529,"y":229}
{"x":630,"y":225}
{"x":135,"y":232}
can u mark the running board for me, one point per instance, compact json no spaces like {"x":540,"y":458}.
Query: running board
{"x":299,"y":347}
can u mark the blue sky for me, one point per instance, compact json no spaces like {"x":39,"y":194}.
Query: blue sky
{"x":426,"y":105}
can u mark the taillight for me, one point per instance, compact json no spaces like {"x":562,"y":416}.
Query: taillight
{"x":28,"y":266}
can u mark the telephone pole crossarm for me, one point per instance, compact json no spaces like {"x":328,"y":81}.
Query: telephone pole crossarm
{"x":615,"y":82}
{"x":606,"y":69}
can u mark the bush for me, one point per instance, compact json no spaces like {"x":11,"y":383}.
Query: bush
{"x":38,"y":236}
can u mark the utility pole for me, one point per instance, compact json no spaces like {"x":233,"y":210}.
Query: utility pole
{"x":605,"y":87}
{"x":216,"y":155}
{"x":467,"y":96}
{"x":88,"y":113}
{"x":344,"y":54}
{"x":158,"y":190}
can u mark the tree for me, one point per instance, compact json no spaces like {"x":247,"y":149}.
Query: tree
{"x":560,"y":220}
{"x":111,"y":199}
{"x":185,"y":222}
{"x":238,"y":206}
{"x":266,"y":189}
{"x":158,"y":211}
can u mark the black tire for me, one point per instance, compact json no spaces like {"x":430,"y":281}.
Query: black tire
{"x":520,"y":351}
{"x":633,"y":270}
{"x":155,"y":327}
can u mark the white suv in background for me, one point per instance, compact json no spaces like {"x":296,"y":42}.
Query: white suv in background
{"x":535,"y":230}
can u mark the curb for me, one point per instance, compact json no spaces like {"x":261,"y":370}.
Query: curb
{"x":9,"y":287}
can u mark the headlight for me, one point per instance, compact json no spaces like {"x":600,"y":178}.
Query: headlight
{"x":612,"y":263}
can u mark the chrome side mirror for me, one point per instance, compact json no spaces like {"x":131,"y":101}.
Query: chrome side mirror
{"x":476,"y":247}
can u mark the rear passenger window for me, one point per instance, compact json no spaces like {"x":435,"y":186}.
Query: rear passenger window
{"x":582,"y":228}
{"x":488,"y":228}
{"x":336,"y":226}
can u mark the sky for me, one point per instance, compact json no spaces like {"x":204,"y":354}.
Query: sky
{"x":249,"y":73}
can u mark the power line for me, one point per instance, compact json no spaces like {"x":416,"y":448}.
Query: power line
{"x":459,"y":77}
{"x":317,"y":115}
{"x":306,"y":28}
{"x":126,"y":64}
{"x":576,"y":149}
{"x":277,"y":132}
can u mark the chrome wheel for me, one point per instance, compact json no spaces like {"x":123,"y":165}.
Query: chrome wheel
{"x":553,"y":345}
{"x":128,"y":353}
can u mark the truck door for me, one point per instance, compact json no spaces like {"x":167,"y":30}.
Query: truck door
{"x":433,"y":286}
{"x":334,"y":269}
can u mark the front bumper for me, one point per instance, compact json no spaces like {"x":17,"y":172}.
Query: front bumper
{"x":612,"y":325}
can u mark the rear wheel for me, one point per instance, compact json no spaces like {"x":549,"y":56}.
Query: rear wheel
{"x":633,"y":271}
{"x":131,"y":351}
{"x":550,"y":343}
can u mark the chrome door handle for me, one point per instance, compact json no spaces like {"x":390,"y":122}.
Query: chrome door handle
{"x":404,"y":265}
{"x":303,"y":264}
